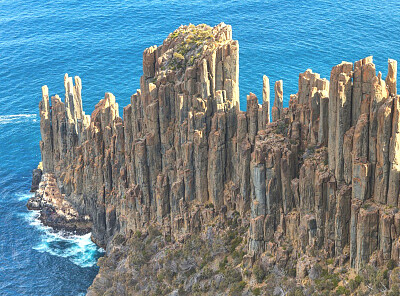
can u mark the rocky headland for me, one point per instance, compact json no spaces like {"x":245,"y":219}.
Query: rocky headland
{"x":192,"y":196}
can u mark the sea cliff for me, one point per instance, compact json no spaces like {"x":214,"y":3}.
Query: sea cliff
{"x":189,"y":194}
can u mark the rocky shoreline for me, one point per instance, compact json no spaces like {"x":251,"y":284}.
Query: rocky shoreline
{"x":54,"y":210}
{"x":192,"y":196}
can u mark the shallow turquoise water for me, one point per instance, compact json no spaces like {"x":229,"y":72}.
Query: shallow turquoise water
{"x":102,"y":42}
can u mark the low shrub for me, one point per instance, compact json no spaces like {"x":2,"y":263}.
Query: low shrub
{"x":258,"y":273}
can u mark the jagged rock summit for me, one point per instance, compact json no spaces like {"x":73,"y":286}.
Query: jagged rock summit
{"x":320,"y":182}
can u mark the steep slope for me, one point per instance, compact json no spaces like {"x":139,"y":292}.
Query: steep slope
{"x":185,"y":168}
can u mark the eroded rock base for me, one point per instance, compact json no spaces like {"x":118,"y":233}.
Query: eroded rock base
{"x":55,"y":211}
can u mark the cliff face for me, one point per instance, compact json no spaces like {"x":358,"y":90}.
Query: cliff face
{"x":175,"y":147}
{"x":323,"y":176}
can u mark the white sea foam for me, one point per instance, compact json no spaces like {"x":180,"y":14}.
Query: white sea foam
{"x":17,"y":118}
{"x":79,"y":249}
{"x":24,"y":196}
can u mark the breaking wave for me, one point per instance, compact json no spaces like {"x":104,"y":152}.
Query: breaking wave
{"x":79,"y":249}
{"x":25,"y":196}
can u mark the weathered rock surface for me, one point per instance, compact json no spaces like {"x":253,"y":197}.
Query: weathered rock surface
{"x":36,"y":178}
{"x":320,"y":181}
{"x":55,"y":211}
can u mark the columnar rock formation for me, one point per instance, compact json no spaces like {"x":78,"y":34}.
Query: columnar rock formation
{"x":278,"y":101}
{"x":324,"y":175}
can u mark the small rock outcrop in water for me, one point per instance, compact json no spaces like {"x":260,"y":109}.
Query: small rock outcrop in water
{"x":185,"y":172}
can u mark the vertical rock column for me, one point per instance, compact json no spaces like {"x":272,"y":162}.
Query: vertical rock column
{"x":59,"y":133}
{"x":391,"y":78}
{"x":46,"y":144}
{"x":378,"y":97}
{"x":265,"y":103}
{"x":278,"y":101}
{"x":367,"y":235}
{"x":244,"y":156}
{"x":361,"y":167}
{"x":339,"y":115}
{"x":343,"y":121}
{"x":394,"y":149}
{"x":217,"y":160}
{"x":200,"y":165}
{"x":337,"y":100}
{"x":342,"y":219}
{"x":394,"y":157}
{"x":252,"y":117}
{"x":258,"y":204}
{"x":323,"y":132}
{"x":384,"y":132}
{"x":360,"y":94}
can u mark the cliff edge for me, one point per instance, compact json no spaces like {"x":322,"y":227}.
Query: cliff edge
{"x":191,"y":195}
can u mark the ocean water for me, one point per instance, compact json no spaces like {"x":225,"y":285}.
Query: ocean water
{"x":102,"y":42}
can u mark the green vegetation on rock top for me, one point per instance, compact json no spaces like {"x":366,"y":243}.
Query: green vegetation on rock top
{"x":189,"y":44}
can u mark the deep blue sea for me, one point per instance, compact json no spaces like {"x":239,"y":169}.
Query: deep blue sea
{"x":102,"y":42}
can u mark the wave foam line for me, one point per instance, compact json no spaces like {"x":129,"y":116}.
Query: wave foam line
{"x":17,"y":118}
{"x":24,"y":196}
{"x":79,"y":249}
